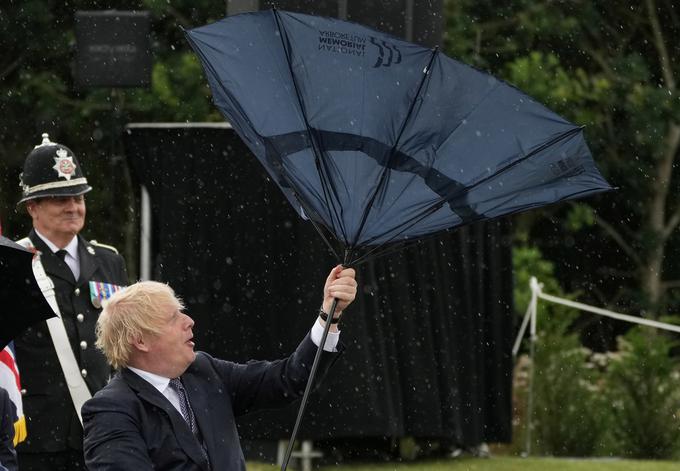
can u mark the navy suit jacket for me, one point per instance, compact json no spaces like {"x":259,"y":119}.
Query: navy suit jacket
{"x":130,"y":425}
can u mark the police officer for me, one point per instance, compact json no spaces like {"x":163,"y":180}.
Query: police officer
{"x":83,"y":274}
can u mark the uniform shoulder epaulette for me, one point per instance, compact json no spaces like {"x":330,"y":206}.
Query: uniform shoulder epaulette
{"x":99,"y":244}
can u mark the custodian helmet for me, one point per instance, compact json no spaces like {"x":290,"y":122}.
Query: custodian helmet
{"x":52,"y":169}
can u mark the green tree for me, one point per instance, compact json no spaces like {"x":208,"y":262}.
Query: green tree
{"x":611,"y":67}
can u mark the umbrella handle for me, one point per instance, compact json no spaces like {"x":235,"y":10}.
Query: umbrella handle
{"x":308,"y":388}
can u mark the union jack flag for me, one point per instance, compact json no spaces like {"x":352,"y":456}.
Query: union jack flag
{"x":10,"y":381}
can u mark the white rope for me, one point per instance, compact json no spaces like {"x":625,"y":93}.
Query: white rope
{"x":531,"y":314}
{"x":537,"y":292}
{"x":612,"y":314}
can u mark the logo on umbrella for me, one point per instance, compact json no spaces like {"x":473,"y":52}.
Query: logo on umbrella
{"x":393,"y":55}
{"x":355,"y":45}
{"x":342,"y":43}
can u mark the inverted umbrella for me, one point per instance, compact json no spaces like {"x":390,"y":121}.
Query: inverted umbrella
{"x":379,"y":141}
{"x":22,"y":301}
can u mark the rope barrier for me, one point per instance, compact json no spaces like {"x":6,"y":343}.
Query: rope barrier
{"x":537,"y":292}
{"x":530,"y":319}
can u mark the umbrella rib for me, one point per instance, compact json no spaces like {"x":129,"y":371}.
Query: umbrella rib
{"x":543,"y":146}
{"x":404,"y":227}
{"x":320,"y":167}
{"x":317,"y":227}
{"x":383,"y":177}
{"x":376,"y":251}
{"x":210,"y":69}
{"x":322,"y":170}
{"x":410,"y":223}
{"x":290,"y":183}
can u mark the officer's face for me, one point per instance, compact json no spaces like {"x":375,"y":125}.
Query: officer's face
{"x":58,"y":218}
{"x":172,"y":350}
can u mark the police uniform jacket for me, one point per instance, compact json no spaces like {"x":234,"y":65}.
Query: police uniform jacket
{"x":130,"y":425}
{"x":51,"y":420}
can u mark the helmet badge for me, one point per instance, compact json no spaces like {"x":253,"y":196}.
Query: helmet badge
{"x":64,"y":165}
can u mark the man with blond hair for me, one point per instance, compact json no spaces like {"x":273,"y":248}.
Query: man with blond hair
{"x":171,"y":408}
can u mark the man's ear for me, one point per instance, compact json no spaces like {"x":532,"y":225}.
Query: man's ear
{"x":30,"y":205}
{"x":140,"y":344}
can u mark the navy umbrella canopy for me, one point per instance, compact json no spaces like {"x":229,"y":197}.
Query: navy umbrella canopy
{"x":378,"y":140}
{"x":23,"y":303}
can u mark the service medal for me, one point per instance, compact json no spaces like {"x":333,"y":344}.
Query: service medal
{"x":100,"y":291}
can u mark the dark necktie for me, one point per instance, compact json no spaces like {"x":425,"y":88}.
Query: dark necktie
{"x":62,"y":256}
{"x":188,"y":413}
{"x":184,"y":406}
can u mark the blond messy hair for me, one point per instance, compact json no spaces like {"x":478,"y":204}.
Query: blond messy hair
{"x":138,"y":310}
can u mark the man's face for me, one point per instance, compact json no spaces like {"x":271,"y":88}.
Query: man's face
{"x":58,"y":218}
{"x":172,"y":351}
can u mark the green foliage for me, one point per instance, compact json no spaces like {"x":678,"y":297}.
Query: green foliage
{"x":643,"y":386}
{"x":179,"y":92}
{"x":625,"y":403}
{"x":542,"y":76}
{"x":570,"y":414}
{"x":528,"y":262}
{"x":566,"y":419}
{"x":580,"y":216}
{"x":609,"y":66}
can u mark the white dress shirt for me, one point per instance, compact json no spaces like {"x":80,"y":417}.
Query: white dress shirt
{"x":161,"y":383}
{"x":71,"y":259}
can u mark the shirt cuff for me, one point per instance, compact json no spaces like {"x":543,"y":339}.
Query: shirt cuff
{"x":331,"y":340}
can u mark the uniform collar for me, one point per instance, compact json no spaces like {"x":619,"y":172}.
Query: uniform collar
{"x":71,"y":247}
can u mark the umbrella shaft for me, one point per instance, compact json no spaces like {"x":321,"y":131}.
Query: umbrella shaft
{"x":308,"y":388}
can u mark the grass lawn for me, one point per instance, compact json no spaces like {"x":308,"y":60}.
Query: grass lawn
{"x":499,"y":464}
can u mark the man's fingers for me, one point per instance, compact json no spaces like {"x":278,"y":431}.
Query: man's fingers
{"x":347,"y":273}
{"x":344,"y":288}
{"x":341,"y":285}
{"x":344,"y":294}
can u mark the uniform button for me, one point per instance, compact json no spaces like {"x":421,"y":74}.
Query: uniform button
{"x":80,"y":318}
{"x":83,"y":373}
{"x":23,"y":392}
{"x":83,"y":345}
{"x":77,"y":292}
